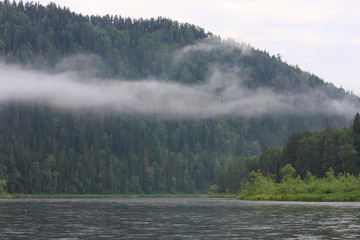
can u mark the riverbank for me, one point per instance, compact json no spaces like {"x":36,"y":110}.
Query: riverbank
{"x":331,"y":188}
{"x":305,"y":197}
{"x":300,"y":197}
{"x":164,"y":195}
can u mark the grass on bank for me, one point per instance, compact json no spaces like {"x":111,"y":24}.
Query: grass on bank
{"x":344,"y":187}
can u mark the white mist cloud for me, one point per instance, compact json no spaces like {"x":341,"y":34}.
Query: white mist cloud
{"x":221,"y":94}
{"x":208,"y":45}
{"x":320,"y":36}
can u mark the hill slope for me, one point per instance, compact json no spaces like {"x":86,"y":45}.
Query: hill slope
{"x":234,"y":101}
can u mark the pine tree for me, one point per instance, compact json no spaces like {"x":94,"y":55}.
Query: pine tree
{"x":329,"y":150}
{"x":356,"y":129}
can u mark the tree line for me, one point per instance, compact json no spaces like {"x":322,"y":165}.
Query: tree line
{"x":48,"y":150}
{"x":314,"y":152}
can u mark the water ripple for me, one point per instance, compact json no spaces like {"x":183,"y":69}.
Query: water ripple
{"x":176,"y":218}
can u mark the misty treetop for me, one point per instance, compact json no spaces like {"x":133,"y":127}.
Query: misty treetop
{"x":42,"y":36}
{"x":235,"y":76}
{"x":47,"y":149}
{"x":220,"y":96}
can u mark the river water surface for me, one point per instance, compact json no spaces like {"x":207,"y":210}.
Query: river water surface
{"x":176,"y":218}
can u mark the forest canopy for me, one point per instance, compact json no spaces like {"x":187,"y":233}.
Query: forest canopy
{"x":49,"y":148}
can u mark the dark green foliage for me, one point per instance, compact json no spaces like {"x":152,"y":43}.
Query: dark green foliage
{"x":291,"y":148}
{"x":328,"y":150}
{"x":349,"y":159}
{"x":313,"y":152}
{"x":42,"y":35}
{"x":270,"y":160}
{"x":309,"y":155}
{"x":356,"y":128}
{"x":344,"y":187}
{"x":47,"y":150}
{"x":44,"y":150}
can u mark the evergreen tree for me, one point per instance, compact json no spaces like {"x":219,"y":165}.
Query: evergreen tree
{"x":356,"y":129}
{"x":349,"y":159}
{"x":329,"y":153}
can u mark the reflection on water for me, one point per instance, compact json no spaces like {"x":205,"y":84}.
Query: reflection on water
{"x":176,"y":218}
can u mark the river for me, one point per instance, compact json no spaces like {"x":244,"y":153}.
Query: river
{"x":176,"y":218}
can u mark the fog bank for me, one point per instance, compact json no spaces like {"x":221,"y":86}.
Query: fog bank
{"x":222,"y":94}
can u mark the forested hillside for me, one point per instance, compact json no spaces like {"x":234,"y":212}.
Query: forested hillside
{"x":315,"y":152}
{"x":50,"y":149}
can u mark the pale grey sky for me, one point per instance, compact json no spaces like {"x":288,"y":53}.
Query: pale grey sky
{"x":321,"y":36}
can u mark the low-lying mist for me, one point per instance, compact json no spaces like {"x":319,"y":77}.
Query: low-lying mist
{"x":222,"y":94}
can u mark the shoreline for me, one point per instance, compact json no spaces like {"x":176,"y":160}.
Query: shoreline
{"x":301,"y":197}
{"x":64,"y":195}
{"x":305,"y":197}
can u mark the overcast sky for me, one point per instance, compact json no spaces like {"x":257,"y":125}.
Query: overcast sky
{"x":321,"y":36}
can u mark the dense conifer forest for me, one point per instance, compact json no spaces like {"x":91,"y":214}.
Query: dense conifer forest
{"x":316,"y":152}
{"x":50,"y":150}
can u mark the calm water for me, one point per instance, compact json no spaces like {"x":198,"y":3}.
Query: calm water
{"x":176,"y":218}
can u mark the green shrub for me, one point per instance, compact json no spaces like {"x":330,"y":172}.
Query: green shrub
{"x":345,"y":187}
{"x":2,"y":186}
